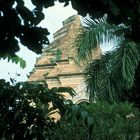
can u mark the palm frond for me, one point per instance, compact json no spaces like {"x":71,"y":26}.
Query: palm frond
{"x":108,"y":77}
{"x":94,"y":33}
{"x":84,"y":44}
{"x":15,"y":59}
{"x":125,"y":60}
{"x":114,"y":72}
{"x":96,"y":74}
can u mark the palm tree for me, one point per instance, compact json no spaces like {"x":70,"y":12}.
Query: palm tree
{"x":113,"y":77}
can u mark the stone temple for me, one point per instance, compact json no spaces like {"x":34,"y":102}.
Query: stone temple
{"x":57,"y":66}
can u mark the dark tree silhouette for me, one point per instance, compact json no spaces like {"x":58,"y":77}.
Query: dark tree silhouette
{"x":19,"y":22}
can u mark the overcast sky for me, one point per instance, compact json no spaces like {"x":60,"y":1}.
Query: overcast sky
{"x":54,"y":17}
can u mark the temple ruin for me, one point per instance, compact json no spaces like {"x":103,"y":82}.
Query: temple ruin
{"x":57,"y":65}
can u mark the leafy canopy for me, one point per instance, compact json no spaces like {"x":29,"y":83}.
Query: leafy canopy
{"x":20,"y":24}
{"x":100,"y":120}
{"x":18,"y":21}
{"x":25,"y":111}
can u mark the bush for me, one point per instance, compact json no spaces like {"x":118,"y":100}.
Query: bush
{"x":99,"y":121}
{"x":25,"y":114}
{"x":25,"y":111}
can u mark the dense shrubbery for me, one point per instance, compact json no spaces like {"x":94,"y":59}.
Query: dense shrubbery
{"x":99,"y":121}
{"x":25,"y":110}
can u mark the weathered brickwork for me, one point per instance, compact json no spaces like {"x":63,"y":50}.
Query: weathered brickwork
{"x":57,"y":63}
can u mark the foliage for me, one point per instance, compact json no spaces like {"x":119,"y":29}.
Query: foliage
{"x":52,"y":60}
{"x":99,"y":121}
{"x":19,"y":21}
{"x":25,"y":114}
{"x":15,"y":59}
{"x":57,"y":56}
{"x":122,"y":61}
{"x":19,"y":24}
{"x":102,"y":79}
{"x":118,"y":12}
{"x":46,"y":74}
{"x":94,"y":33}
{"x":25,"y":110}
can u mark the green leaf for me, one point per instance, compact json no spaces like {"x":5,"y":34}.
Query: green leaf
{"x":22,"y":63}
{"x":84,"y":114}
{"x":64,"y":89}
{"x":15,"y":59}
{"x":89,"y":121}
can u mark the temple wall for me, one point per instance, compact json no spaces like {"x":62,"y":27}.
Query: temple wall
{"x":57,"y":64}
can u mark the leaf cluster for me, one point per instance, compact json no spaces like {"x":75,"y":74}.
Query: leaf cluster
{"x":119,"y":12}
{"x":25,"y":110}
{"x":57,"y":56}
{"x":94,"y":33}
{"x":15,"y":59}
{"x":114,"y":72}
{"x":25,"y":114}
{"x":99,"y":121}
{"x":19,"y":24}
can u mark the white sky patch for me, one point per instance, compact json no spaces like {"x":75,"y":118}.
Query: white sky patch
{"x":54,"y":17}
{"x":53,"y":21}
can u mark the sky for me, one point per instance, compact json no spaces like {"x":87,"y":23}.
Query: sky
{"x":53,"y":21}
